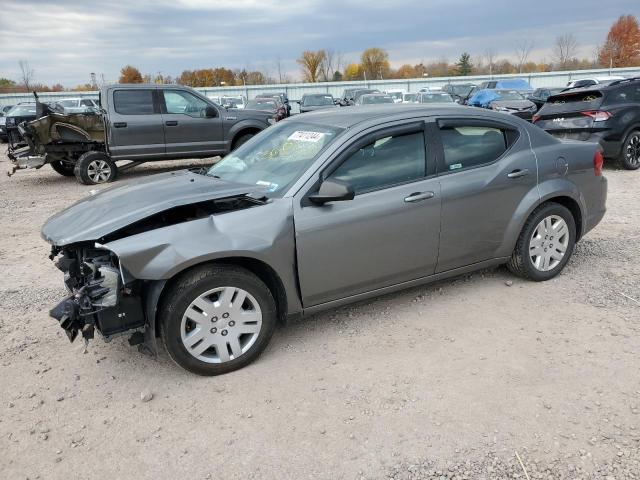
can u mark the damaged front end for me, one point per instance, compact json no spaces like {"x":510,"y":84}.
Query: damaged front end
{"x":100,"y":296}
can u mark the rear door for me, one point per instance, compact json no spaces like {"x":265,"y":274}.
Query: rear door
{"x":187,"y":129}
{"x":485,"y":170}
{"x":135,"y":125}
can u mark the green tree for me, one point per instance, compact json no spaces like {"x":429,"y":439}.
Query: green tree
{"x":464,"y":65}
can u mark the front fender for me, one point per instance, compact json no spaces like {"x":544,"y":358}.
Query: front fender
{"x":248,"y":124}
{"x":264,"y":233}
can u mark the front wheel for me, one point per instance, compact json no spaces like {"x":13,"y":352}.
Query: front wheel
{"x":630,"y":156}
{"x":94,"y":167}
{"x":545,"y":243}
{"x":63,"y":168}
{"x":217,"y":319}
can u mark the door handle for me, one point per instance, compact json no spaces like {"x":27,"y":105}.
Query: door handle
{"x":171,"y":123}
{"x":119,"y":124}
{"x":418,"y":196}
{"x":518,"y":173}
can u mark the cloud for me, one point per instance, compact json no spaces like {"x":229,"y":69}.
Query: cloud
{"x":66,"y":41}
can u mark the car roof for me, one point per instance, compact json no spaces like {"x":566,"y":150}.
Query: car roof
{"x":348,"y":117}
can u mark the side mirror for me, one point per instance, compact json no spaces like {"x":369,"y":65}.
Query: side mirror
{"x":210,"y":112}
{"x":332,"y":190}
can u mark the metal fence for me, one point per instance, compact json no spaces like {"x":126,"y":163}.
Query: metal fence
{"x":295,"y":90}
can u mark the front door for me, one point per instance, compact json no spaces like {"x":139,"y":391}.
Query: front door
{"x":387,"y":234}
{"x":188,"y":131}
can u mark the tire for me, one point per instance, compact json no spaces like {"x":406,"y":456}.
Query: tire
{"x":630,"y":154}
{"x":63,"y":168}
{"x":205,"y":340}
{"x":242,"y":139}
{"x":533,"y":267}
{"x":93,"y":168}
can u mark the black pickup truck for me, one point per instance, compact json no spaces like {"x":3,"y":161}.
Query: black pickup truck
{"x":138,"y":123}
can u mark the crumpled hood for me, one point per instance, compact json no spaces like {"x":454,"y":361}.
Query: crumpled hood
{"x":116,"y":207}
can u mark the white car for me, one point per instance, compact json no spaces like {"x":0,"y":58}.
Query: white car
{"x":409,"y":97}
{"x":587,"y":82}
{"x":396,"y":95}
{"x":77,"y":105}
{"x":233,"y":101}
{"x":215,"y":99}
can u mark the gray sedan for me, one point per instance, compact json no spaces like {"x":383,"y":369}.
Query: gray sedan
{"x":319,"y":211}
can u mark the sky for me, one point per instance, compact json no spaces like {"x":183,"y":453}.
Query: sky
{"x":65,"y":40}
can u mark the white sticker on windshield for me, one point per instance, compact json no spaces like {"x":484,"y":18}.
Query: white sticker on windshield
{"x":302,"y":136}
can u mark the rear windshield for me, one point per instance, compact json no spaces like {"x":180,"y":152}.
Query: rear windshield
{"x":577,"y":97}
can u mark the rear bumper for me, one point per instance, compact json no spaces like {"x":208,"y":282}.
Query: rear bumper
{"x":611,"y":148}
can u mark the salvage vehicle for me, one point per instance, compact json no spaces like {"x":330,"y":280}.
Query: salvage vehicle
{"x":234,"y":101}
{"x":316,"y":101}
{"x":434,"y":97}
{"x":272,"y":105}
{"x":284,"y":99}
{"x":589,"y":82}
{"x":606,"y":114}
{"x":505,"y":101}
{"x":459,"y":91}
{"x":3,"y":128}
{"x":541,"y":95}
{"x":138,"y":123}
{"x":316,"y":212}
{"x":22,"y":112}
{"x":373,"y":98}
{"x":396,"y":95}
{"x":76,"y":105}
{"x":409,"y":97}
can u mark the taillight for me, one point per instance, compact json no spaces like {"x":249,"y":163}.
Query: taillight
{"x":598,"y":160}
{"x":535,"y":118}
{"x":597,"y":115}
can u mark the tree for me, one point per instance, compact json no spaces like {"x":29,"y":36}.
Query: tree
{"x":375,"y":63}
{"x":565,"y":49}
{"x":26,"y":74}
{"x":130,"y":74}
{"x":353,"y":71}
{"x":406,"y":71}
{"x":490,"y":56}
{"x":464,"y":65}
{"x":523,"y":50}
{"x":311,"y":62}
{"x":337,"y":76}
{"x":622,"y":47}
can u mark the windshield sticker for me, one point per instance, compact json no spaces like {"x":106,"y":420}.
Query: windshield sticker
{"x":270,"y":187}
{"x":455,"y":166}
{"x":302,"y":136}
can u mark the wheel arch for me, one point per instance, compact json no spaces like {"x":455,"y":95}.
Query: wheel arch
{"x":243,"y":131}
{"x":573,"y":206}
{"x":259,"y":268}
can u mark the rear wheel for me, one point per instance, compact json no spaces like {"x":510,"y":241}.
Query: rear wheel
{"x":63,"y":168}
{"x":242,"y":139}
{"x":630,"y":156}
{"x":217,"y":319}
{"x":545,"y":243}
{"x":93,"y":168}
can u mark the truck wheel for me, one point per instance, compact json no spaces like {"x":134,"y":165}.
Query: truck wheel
{"x":242,"y":139}
{"x":217,"y":319}
{"x":95,"y":167}
{"x":63,"y":168}
{"x":630,"y":155}
{"x":545,"y":243}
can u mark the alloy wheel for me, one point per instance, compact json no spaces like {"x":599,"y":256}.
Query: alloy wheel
{"x":633,"y":150}
{"x":549,"y":243}
{"x":99,"y":171}
{"x":221,"y":325}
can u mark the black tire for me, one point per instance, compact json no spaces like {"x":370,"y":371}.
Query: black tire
{"x":63,"y":168}
{"x":521,"y":262}
{"x":85,"y":168}
{"x":190,"y":287}
{"x":630,"y":154}
{"x":242,"y":139}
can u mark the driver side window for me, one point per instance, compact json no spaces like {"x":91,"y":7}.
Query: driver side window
{"x":386,"y":162}
{"x":184,"y":102}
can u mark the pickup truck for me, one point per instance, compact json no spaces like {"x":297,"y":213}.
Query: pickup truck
{"x":138,"y":123}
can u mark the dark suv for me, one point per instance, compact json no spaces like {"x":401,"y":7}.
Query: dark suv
{"x":607,"y":114}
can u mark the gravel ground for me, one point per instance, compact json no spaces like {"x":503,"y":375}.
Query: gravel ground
{"x":444,"y":381}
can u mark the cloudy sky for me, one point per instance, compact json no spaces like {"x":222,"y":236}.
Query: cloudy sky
{"x":65,"y":40}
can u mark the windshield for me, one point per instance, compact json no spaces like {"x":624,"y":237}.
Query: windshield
{"x":277,"y":157}
{"x":435,"y":98}
{"x":317,"y":100}
{"x":19,"y":110}
{"x":261,"y":105}
{"x":396,"y":95}
{"x":367,"y":100}
{"x":461,"y":90}
{"x":410,"y":97}
{"x":236,"y":100}
{"x":68,"y":103}
{"x":509,"y":96}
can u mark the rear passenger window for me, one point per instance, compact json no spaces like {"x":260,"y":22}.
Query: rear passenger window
{"x":388,"y":161}
{"x":467,"y":147}
{"x":133,"y":102}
